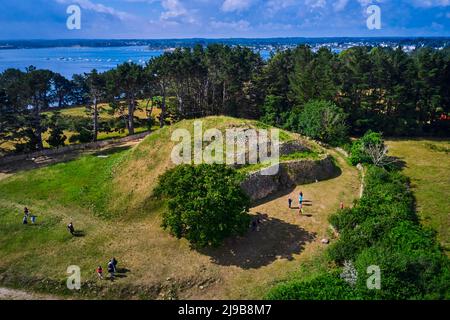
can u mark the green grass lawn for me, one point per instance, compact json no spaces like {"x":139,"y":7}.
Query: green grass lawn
{"x":75,"y":191}
{"x":427,"y":164}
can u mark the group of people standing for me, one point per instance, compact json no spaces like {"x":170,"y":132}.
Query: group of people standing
{"x":27,"y":215}
{"x":300,"y":202}
{"x":112,"y":269}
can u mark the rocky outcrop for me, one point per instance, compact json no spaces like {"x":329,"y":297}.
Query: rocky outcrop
{"x":257,"y":185}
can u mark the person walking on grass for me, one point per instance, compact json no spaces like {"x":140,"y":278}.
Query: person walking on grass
{"x":114,"y":263}
{"x":290,"y":203}
{"x":300,"y":199}
{"x":71,"y":228}
{"x":99,"y":271}
{"x":111,"y":270}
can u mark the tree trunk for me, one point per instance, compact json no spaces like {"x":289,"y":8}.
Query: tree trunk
{"x":40,"y":144}
{"x":131,"y":108}
{"x":38,"y":124}
{"x":95,"y":116}
{"x":149,"y":112}
{"x":162,"y":116}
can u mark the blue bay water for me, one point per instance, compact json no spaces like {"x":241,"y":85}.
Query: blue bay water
{"x":74,"y":60}
{"x":77,"y":60}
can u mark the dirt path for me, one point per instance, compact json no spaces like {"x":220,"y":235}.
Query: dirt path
{"x":12,"y":294}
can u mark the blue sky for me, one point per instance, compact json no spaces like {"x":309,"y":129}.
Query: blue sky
{"x":46,"y":19}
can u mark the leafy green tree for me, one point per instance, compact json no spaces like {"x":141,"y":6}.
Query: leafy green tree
{"x":205,"y":203}
{"x":320,"y":120}
{"x":359,"y":150}
{"x":96,"y":85}
{"x":157,"y":75}
{"x":83,"y":129}
{"x":56,"y":126}
{"x":62,"y":90}
{"x":272,"y":111}
{"x":39,"y":90}
{"x":314,"y":76}
{"x":125,"y":85}
{"x":13,"y":114}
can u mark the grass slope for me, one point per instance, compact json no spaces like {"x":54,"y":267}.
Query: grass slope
{"x":427,"y":164}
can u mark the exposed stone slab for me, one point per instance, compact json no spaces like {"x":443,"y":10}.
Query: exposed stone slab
{"x":290,"y":173}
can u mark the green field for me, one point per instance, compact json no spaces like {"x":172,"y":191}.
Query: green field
{"x":427,"y":164}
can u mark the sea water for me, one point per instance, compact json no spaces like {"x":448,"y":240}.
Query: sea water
{"x":74,"y":60}
{"x":77,"y":60}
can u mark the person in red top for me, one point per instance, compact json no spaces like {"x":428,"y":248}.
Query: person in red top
{"x":100,"y":272}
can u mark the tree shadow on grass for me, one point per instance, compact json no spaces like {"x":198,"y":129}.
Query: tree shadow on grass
{"x":275,"y":195}
{"x":276,"y":239}
{"x":397,"y":163}
{"x":63,"y":157}
{"x":111,"y":151}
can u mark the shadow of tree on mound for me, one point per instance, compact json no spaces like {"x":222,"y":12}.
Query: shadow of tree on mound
{"x":276,"y":239}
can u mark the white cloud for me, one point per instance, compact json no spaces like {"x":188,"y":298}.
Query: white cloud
{"x":316,"y":3}
{"x":236,"y":5}
{"x":175,"y":10}
{"x":340,"y":5}
{"x":431,"y":3}
{"x":99,"y":8}
{"x":274,"y":6}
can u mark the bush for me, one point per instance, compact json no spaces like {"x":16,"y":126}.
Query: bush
{"x":321,"y":120}
{"x":406,"y":273}
{"x":358,"y":153}
{"x":323,"y":287}
{"x":56,"y":126}
{"x":205,"y":203}
{"x":383,"y":230}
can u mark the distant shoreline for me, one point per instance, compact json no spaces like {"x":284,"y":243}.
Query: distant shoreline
{"x":161,"y":44}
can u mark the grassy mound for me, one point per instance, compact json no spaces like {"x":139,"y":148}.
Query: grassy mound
{"x":136,"y":177}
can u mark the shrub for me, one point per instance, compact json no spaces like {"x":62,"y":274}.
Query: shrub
{"x":328,"y":286}
{"x":56,"y":126}
{"x":205,"y":203}
{"x":383,"y":230}
{"x":370,"y":149}
{"x":405,"y":273}
{"x":321,"y":120}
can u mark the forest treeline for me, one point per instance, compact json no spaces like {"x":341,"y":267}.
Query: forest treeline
{"x":307,"y":91}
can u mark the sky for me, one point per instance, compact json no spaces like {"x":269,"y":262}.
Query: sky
{"x":162,"y":19}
